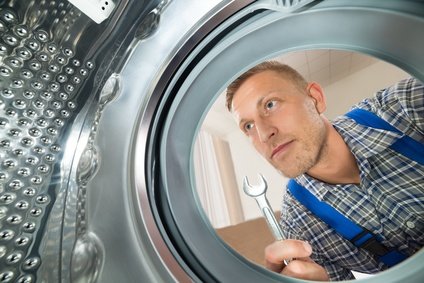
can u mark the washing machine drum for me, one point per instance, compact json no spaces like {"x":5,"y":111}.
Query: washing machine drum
{"x":100,"y":103}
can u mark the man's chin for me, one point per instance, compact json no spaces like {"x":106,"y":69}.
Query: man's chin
{"x":290,"y":174}
{"x":287,"y":169}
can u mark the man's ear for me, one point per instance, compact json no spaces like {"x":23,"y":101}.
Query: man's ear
{"x":315,"y":91}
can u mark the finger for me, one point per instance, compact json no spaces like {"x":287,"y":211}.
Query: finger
{"x":305,"y":259}
{"x":307,"y":270}
{"x":277,"y":252}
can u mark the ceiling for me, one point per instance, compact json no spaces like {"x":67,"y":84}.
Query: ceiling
{"x":322,"y":65}
{"x":326,"y":66}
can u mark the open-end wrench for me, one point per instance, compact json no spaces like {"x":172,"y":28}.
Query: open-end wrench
{"x":258,"y":192}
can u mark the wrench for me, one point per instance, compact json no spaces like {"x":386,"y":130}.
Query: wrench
{"x":258,"y":192}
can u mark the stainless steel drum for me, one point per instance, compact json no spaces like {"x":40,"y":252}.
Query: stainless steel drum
{"x":100,"y":102}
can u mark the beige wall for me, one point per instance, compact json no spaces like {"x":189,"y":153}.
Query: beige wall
{"x":352,"y":89}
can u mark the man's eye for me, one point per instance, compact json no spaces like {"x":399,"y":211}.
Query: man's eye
{"x":248,"y":126}
{"x":270,"y":104}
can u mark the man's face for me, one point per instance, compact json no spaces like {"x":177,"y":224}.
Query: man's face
{"x":282,"y":121}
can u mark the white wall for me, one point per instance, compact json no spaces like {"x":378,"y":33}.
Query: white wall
{"x":352,"y":89}
{"x":340,"y":96}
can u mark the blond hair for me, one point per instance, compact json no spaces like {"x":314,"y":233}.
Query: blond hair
{"x":285,"y":70}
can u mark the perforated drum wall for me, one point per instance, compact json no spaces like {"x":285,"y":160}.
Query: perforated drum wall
{"x":97,"y":126}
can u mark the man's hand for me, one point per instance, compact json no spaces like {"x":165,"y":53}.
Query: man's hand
{"x":301,"y":266}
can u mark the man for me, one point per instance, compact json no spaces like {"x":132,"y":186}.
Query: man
{"x":349,"y":166}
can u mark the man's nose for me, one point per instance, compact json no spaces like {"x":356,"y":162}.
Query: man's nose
{"x":265,"y":130}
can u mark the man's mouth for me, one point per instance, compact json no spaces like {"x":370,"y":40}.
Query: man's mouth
{"x":281,"y":149}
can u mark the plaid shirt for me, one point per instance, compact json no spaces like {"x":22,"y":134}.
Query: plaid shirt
{"x":389,"y":201}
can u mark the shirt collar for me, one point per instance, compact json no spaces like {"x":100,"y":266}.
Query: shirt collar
{"x":364,"y":142}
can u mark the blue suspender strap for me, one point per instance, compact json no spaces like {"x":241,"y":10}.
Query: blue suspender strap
{"x":359,"y":236}
{"x":406,"y":145}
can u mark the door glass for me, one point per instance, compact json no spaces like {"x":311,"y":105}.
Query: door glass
{"x":224,"y":155}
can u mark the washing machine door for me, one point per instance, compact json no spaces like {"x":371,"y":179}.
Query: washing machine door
{"x":100,"y":105}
